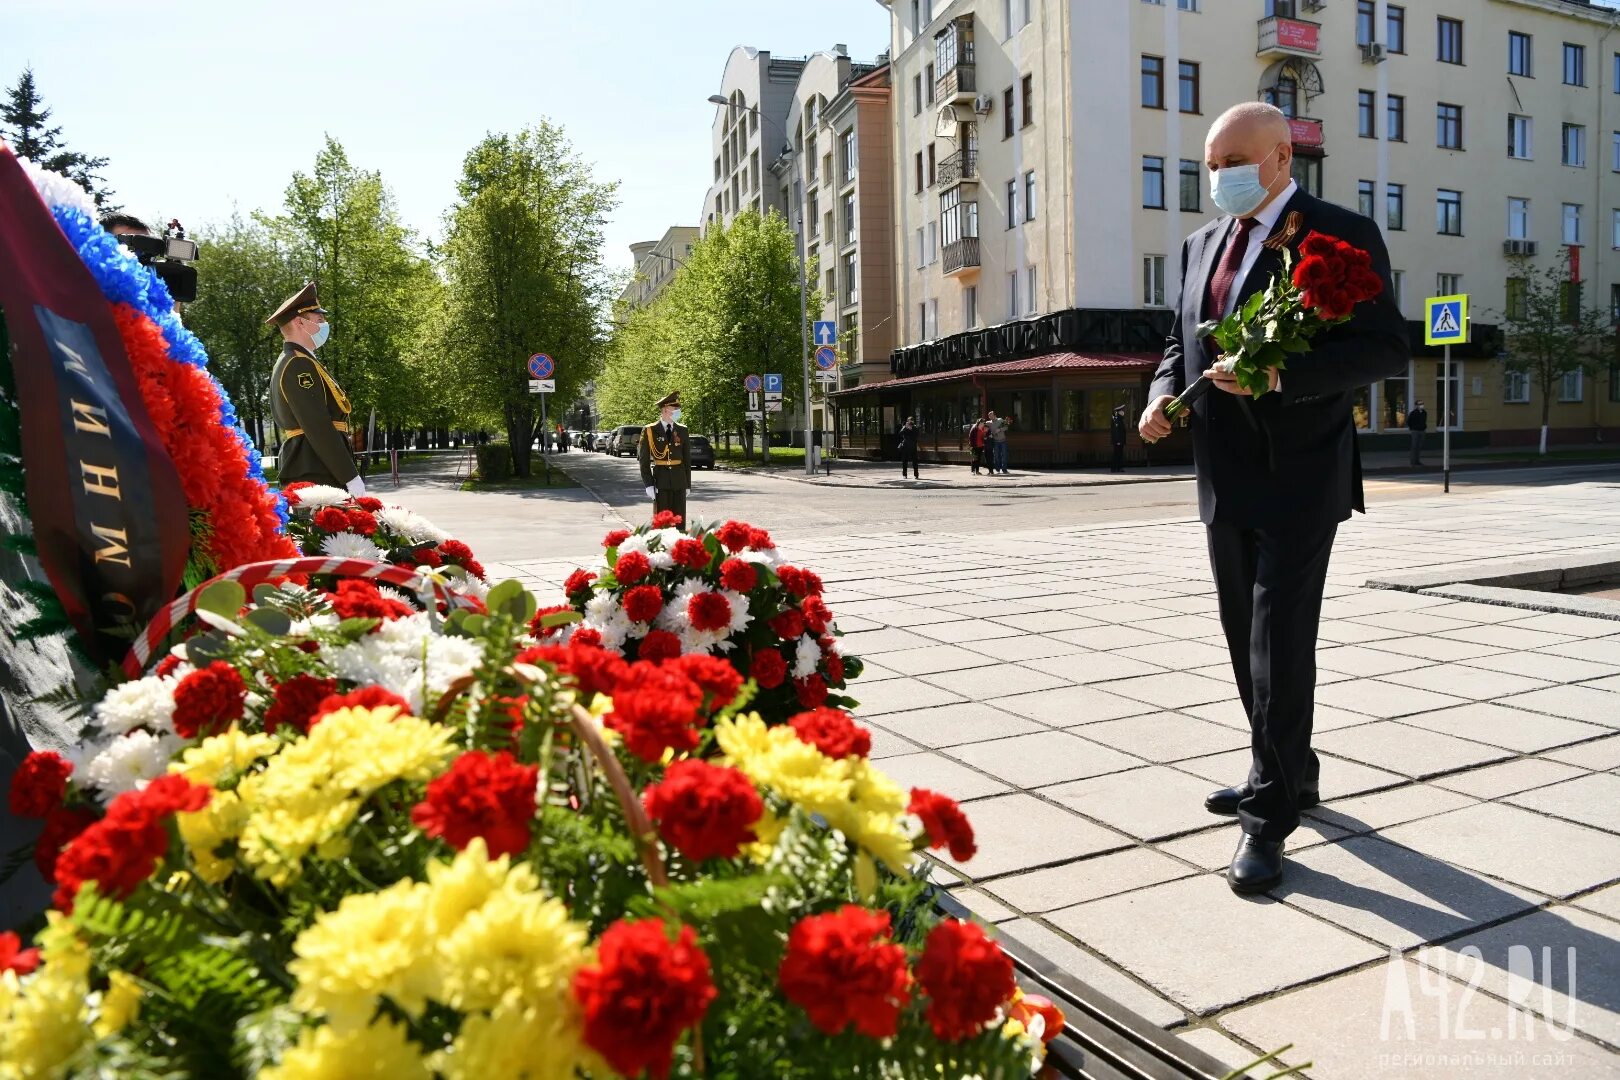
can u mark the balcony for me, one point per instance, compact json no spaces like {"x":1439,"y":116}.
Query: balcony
{"x":961,"y":167}
{"x":962,"y":255}
{"x":956,"y":85}
{"x":1281,"y":37}
{"x":1305,"y":132}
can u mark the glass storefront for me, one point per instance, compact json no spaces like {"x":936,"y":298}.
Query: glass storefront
{"x":1091,"y":410}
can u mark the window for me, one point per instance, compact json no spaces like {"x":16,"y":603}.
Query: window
{"x":849,"y":218}
{"x":1366,"y":197}
{"x":1152,"y":82}
{"x":1007,"y":18}
{"x":922,"y":322}
{"x":928,"y":84}
{"x":1153,"y":281}
{"x":1447,"y":284}
{"x":1012,"y":204}
{"x":1615,"y":150}
{"x":1575,"y":145}
{"x":916,"y":95}
{"x":1518,"y":219}
{"x":922,"y":249}
{"x":1153,"y":183}
{"x":1395,"y":28}
{"x":1614,"y":316}
{"x":1397,"y":278}
{"x":1614,"y":239}
{"x":1569,"y":386}
{"x":1518,"y":54}
{"x":1007,"y":113}
{"x":1366,"y":11}
{"x":1028,"y":6}
{"x":1030,"y":291}
{"x":1192,"y":185}
{"x":933,"y":176}
{"x":1395,"y":118}
{"x":847,"y":154}
{"x":933,"y":319}
{"x":1284,"y":94}
{"x":1519,"y":138}
{"x":1029,"y":195}
{"x":1307,"y":173}
{"x":1448,"y":212}
{"x":1448,"y":126}
{"x":933,"y":242}
{"x":1012,"y":294}
{"x":1366,"y":103}
{"x":1189,"y":86}
{"x":919,"y":170}
{"x":1449,"y":41}
{"x":1515,"y":388}
{"x":1569,"y":301}
{"x":852,"y":291}
{"x":1572,"y":224}
{"x":1186,"y":5}
{"x":1395,"y":206}
{"x":832,"y":283}
{"x":1574,"y":65}
{"x":970,"y":307}
{"x":1517,"y":306}
{"x":1029,"y":99}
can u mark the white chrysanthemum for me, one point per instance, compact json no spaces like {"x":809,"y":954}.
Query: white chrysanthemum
{"x":128,"y":762}
{"x":613,"y":633}
{"x":635,"y":542}
{"x":450,"y":658}
{"x":694,"y":641}
{"x":140,"y":703}
{"x":57,"y":190}
{"x":660,"y":560}
{"x":667,"y":538}
{"x":390,"y":593}
{"x":601,"y":608}
{"x":346,"y":545}
{"x":411,"y":525}
{"x":472,"y":587}
{"x":740,"y":616}
{"x":763,"y":558}
{"x":321,"y":620}
{"x":317,"y":496}
{"x":806,"y":657}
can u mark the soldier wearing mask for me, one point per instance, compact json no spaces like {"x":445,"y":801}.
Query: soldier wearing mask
{"x":309,"y":406}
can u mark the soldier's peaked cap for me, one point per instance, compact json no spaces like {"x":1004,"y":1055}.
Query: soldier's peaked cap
{"x":672,"y":399}
{"x":302,"y":302}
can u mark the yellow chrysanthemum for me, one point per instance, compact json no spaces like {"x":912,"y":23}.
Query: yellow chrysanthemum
{"x":461,"y":886}
{"x":518,"y":944}
{"x":518,"y":1042}
{"x":206,"y":830}
{"x":45,"y":1022}
{"x":374,"y":944}
{"x":120,"y":1005}
{"x":378,"y":1052}
{"x":216,"y":759}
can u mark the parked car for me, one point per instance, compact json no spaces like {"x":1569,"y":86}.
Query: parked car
{"x":702,"y":453}
{"x":624,"y":440}
{"x":600,"y":442}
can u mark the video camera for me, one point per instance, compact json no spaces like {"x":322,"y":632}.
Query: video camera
{"x":169,"y":255}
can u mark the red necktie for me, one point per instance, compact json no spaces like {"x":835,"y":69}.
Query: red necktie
{"x":1220,"y":285}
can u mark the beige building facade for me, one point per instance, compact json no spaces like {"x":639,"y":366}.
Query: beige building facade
{"x":656,"y":262}
{"x":749,"y":132}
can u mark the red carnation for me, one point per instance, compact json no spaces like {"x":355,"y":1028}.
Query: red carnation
{"x":944,"y":822}
{"x":666,"y":519}
{"x":331,"y":519}
{"x":967,"y":979}
{"x":760,"y":540}
{"x":367,"y":697}
{"x":296,"y":700}
{"x":578,"y":582}
{"x":768,"y":669}
{"x":734,"y":535}
{"x":615,"y":538}
{"x":659,"y":645}
{"x":842,"y":969}
{"x":209,"y":700}
{"x":427,"y":556}
{"x":631,"y":567}
{"x":362,"y":522}
{"x":61,"y":827}
{"x":594,"y":670}
{"x":714,"y":676}
{"x":690,"y":553}
{"x":366,"y":502}
{"x":456,"y":552}
{"x":356,"y":598}
{"x":833,"y":732}
{"x":812,"y":691}
{"x":816,"y":614}
{"x":586,"y":635}
{"x":704,"y":811}
{"x":789,"y":625}
{"x":799,"y":582}
{"x":40,"y":783}
{"x":290,"y":491}
{"x":656,"y":709}
{"x":537,"y":625}
{"x":121,"y":850}
{"x":166,"y":666}
{"x":643,"y":603}
{"x":481,"y":795}
{"x":13,"y":957}
{"x":738,"y":576}
{"x":642,"y":993}
{"x":709,"y":611}
{"x":835,"y":668}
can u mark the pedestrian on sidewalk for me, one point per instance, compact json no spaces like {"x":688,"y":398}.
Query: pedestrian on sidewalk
{"x":1417,"y":422}
{"x":906,"y":444}
{"x":996,"y":429}
{"x":1116,"y":435}
{"x":976,"y":437}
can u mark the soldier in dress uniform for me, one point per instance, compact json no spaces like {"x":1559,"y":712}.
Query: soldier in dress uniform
{"x":665,"y":452}
{"x":307,"y":403}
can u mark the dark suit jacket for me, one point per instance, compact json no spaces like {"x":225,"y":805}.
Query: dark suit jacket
{"x":1285,"y":459}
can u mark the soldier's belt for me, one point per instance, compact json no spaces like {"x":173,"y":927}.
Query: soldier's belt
{"x":668,"y":464}
{"x":338,"y":424}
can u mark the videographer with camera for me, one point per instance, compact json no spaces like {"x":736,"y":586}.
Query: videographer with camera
{"x":170,"y":255}
{"x":309,"y":406}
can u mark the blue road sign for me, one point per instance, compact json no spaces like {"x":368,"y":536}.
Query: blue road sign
{"x":1445,"y":320}
{"x":752,"y":383}
{"x":826,"y":333}
{"x":826,"y":358}
{"x":773,"y":384}
{"x":541,"y":366}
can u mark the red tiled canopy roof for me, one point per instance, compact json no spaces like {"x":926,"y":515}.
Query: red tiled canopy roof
{"x":1063,"y":361}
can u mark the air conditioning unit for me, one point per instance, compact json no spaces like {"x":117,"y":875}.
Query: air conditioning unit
{"x":983,"y":104}
{"x":1314,"y":5}
{"x":1519,"y":247}
{"x":1372,"y":53}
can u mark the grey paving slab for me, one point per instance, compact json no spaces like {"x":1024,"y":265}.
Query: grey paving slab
{"x":987,"y":609}
{"x":962,"y":631}
{"x":933,"y":658}
{"x":907,"y":615}
{"x":1183,"y":626}
{"x":1087,"y":879}
{"x":1340,"y":778}
{"x":895,"y":695}
{"x":1103,"y":976}
{"x":1411,"y":622}
{"x":1025,"y":647}
{"x":1592,"y":800}
{"x":1375,"y":697}
{"x":1361,"y":660}
{"x":1382,"y":809}
{"x":1227,"y":1050}
{"x":1110,"y":637}
{"x":1507,"y":636}
{"x":1442,"y":649}
{"x":1476,"y":684}
{"x":1597,"y":650}
{"x":1572,"y":625}
{"x":1070,"y":705}
{"x":1085,"y":666}
{"x":1150,"y":803}
{"x":1208,"y":948}
{"x":886,"y":744}
{"x":1408,"y":750}
{"x":1575,"y":702}
{"x":1499,"y":725}
{"x":1521,"y":847}
{"x":1548,"y":666}
{"x":1021,"y":832}
{"x":936,"y":772}
{"x":987,"y":908}
{"x":872,"y":672}
{"x":956,"y":722}
{"x":1611,"y":684}
{"x":1000,"y":679}
{"x":1164,"y":736}
{"x":1046,"y":757}
{"x":1508,"y":778}
{"x":1604,"y":902}
{"x":1045,"y":622}
{"x":1172,"y":689}
{"x":1213,"y":848}
{"x":1351,"y":633}
{"x":1469,"y":611}
{"x":875,"y":642}
{"x":1179,"y":655}
{"x":1394,"y":895}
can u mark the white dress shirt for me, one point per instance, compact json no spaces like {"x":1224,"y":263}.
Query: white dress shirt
{"x":1267,"y":220}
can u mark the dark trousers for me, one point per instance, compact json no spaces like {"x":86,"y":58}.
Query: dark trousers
{"x":1417,"y":448}
{"x":978,"y":458}
{"x":1119,"y":457}
{"x":670,"y":500}
{"x":908,"y":458}
{"x":1269,"y":585}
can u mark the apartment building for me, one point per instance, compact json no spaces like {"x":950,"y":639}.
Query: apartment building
{"x":749,"y":133}
{"x":656,"y":262}
{"x":1481,"y":134}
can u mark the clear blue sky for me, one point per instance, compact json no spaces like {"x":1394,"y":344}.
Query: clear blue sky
{"x":204,"y":105}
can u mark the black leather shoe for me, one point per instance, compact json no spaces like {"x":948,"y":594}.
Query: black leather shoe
{"x":1225,"y":801}
{"x":1256,"y":866}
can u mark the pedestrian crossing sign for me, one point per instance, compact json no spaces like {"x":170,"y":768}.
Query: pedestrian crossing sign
{"x":1445,"y":320}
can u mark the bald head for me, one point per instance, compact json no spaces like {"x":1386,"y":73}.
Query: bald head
{"x":1252,"y":133}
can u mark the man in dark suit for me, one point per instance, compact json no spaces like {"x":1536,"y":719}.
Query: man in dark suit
{"x":1116,"y":436}
{"x":665,"y":453}
{"x":1417,"y":422}
{"x":1276,"y":473}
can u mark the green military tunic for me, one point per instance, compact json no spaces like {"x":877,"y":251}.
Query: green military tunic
{"x":313,"y":414}
{"x":666,"y":465}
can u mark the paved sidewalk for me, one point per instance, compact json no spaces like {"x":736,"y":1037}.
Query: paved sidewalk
{"x":1072,"y":686}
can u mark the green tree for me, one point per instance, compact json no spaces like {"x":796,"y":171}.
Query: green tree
{"x":1549,"y":333}
{"x":523,"y":261}
{"x":25,"y":124}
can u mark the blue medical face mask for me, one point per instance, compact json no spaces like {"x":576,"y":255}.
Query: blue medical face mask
{"x":675,"y":417}
{"x":1237,"y":189}
{"x":322,"y":332}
